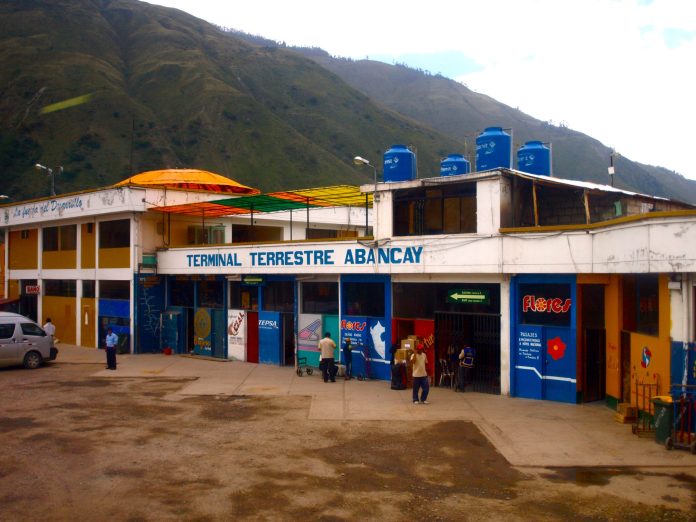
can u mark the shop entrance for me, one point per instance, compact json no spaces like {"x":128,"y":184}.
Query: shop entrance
{"x":481,"y":332}
{"x":593,"y":342}
{"x":288,"y":338}
{"x":28,"y":299}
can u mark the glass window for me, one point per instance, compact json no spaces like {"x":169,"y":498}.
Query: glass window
{"x":68,"y":237}
{"x":211,"y":294}
{"x":50,"y":239}
{"x":59,"y":287}
{"x":32,"y":329}
{"x":88,"y":288}
{"x":243,"y":297}
{"x":364,"y":299}
{"x":278,"y":296}
{"x":7,"y":330}
{"x":114,"y":290}
{"x":641,"y":304}
{"x":182,"y":292}
{"x":114,"y":234}
{"x":320,"y":298}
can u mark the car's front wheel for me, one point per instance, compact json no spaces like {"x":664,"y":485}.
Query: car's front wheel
{"x":32,"y":360}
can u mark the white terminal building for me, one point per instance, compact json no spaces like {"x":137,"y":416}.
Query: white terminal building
{"x":567,"y":291}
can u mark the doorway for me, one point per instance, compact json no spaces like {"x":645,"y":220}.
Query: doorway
{"x":593,"y":330}
{"x":288,"y":338}
{"x":481,"y":332}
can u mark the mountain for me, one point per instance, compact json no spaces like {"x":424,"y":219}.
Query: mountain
{"x":460,"y":113}
{"x":168,"y":90}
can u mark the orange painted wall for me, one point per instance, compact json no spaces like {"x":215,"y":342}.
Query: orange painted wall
{"x":613,"y":317}
{"x":88,"y":253}
{"x":23,"y":252}
{"x":88,"y":308}
{"x":59,"y":259}
{"x":114,"y":257}
{"x":658,"y":369}
{"x":13,"y":289}
{"x":2,"y":270}
{"x":61,"y":310}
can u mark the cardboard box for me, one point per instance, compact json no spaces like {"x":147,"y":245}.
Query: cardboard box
{"x":408,"y":344}
{"x":402,"y":354}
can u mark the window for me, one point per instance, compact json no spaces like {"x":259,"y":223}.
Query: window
{"x":59,"y":238}
{"x":32,"y":329}
{"x":279,"y":296}
{"x":182,"y":292}
{"x":320,"y":298}
{"x":7,"y":330}
{"x":114,"y":234}
{"x":243,"y":297}
{"x":88,"y":288}
{"x":445,"y":210}
{"x":59,"y":288}
{"x":211,"y":294}
{"x":364,"y":299}
{"x":641,"y":310}
{"x":50,"y":239}
{"x":114,"y":290}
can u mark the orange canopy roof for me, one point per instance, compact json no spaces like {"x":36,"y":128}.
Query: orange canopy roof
{"x":190,"y":179}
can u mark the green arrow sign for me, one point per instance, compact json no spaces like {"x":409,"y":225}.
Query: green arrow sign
{"x":468,"y":296}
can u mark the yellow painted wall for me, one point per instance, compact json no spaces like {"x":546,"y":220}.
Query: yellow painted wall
{"x":613,"y":317}
{"x":88,"y":249}
{"x":13,"y":289}
{"x":114,"y":257}
{"x":23,"y":252}
{"x":87,"y":321}
{"x":61,"y":310}
{"x":178,"y":235}
{"x":59,"y":259}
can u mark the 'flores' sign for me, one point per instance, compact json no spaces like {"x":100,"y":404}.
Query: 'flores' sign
{"x":545,"y":304}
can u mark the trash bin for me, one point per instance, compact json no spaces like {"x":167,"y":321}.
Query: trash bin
{"x":664,"y":418}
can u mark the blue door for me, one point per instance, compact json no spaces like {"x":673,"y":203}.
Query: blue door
{"x":269,"y":338}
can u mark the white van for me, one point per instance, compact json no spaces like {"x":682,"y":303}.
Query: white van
{"x":22,"y":341}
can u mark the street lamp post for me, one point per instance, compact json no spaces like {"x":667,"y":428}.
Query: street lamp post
{"x":357,"y":160}
{"x":51,"y":174}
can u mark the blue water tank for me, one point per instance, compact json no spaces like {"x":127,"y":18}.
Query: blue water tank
{"x":399,"y":164}
{"x":493,"y":149}
{"x":534,"y":157}
{"x":454,"y":164}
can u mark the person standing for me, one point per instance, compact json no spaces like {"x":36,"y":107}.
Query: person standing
{"x":420,"y":375}
{"x":466,"y":365}
{"x":50,"y":328}
{"x":111,"y":342}
{"x":348,"y":358}
{"x":327,"y":362}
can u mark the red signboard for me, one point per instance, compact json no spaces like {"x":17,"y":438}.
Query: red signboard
{"x":32,"y":290}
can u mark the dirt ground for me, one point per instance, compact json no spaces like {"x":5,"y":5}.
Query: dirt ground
{"x":77,"y":447}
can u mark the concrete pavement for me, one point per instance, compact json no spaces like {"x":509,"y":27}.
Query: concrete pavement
{"x":527,"y":433}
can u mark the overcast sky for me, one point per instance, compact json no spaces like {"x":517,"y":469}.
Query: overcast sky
{"x":621,"y":71}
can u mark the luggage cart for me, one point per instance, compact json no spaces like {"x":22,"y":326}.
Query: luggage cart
{"x":302,"y":366}
{"x":646,"y":410}
{"x":684,"y":404}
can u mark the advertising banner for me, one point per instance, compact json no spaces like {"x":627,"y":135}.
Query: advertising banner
{"x":236,"y":334}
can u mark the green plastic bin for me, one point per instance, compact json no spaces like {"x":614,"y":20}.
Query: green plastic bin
{"x":664,"y":417}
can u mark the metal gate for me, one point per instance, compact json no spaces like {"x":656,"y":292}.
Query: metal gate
{"x":482,"y":332}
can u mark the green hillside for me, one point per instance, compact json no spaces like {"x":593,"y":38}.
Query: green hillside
{"x":170,"y":90}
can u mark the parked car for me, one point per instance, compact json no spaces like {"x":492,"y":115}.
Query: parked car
{"x":22,"y":341}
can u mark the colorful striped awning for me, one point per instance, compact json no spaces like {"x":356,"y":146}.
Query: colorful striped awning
{"x":334,"y":196}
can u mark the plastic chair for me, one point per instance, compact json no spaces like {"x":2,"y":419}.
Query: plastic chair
{"x":445,"y":373}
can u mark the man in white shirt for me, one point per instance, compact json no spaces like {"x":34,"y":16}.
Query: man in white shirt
{"x":327,"y":363}
{"x":50,"y":328}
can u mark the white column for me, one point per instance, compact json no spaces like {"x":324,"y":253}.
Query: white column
{"x":505,"y":336}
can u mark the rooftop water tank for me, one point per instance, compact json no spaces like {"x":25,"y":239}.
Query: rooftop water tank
{"x":493,"y":149}
{"x":454,"y":164}
{"x":534,"y":157}
{"x":399,"y":164}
